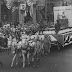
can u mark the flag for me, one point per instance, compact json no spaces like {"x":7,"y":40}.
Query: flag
{"x":31,"y":10}
{"x":25,"y":13}
{"x":9,"y":4}
{"x":23,"y":6}
{"x":13,"y":9}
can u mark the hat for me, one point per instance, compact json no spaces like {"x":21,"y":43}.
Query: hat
{"x":57,"y":20}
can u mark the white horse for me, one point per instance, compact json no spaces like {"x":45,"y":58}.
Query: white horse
{"x":31,"y":50}
{"x":24,"y":48}
{"x":36,"y":49}
{"x":9,"y":42}
{"x":13,"y":47}
{"x":25,"y":45}
{"x":41,"y":38}
{"x":36,"y":45}
{"x":21,"y":45}
{"x":47,"y":43}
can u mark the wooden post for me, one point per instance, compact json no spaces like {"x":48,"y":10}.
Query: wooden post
{"x":45,"y":9}
{"x":49,"y":11}
{"x":13,"y":18}
{"x":34,"y":13}
{"x":0,"y":10}
{"x":37,"y":10}
{"x":9,"y":15}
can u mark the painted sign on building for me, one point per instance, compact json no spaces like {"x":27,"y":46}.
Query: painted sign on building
{"x":22,"y":6}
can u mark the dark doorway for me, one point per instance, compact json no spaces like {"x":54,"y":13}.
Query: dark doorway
{"x":4,"y":13}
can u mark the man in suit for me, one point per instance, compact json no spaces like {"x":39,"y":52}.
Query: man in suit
{"x":41,"y":26}
{"x":57,"y":27}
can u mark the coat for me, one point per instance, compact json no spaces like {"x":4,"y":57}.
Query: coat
{"x":57,"y":27}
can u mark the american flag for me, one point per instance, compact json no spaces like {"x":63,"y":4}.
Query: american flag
{"x":8,"y":3}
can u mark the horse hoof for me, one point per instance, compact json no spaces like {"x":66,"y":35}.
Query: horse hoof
{"x":16,"y":63}
{"x":28,"y":63}
{"x":11,"y":66}
{"x":34,"y":66}
{"x":32,"y":59}
{"x":23,"y":66}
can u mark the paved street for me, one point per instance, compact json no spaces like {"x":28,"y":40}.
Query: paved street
{"x":54,"y":62}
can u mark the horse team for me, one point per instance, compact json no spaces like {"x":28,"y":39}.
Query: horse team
{"x":28,"y":48}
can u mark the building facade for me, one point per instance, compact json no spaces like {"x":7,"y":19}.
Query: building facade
{"x":5,"y":13}
{"x":19,"y":13}
{"x":41,"y":9}
{"x":47,"y":6}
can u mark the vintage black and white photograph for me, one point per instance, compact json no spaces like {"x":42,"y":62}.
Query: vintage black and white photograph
{"x":35,"y":35}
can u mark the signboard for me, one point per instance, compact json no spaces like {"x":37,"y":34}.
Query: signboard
{"x":63,"y":12}
{"x":23,"y":6}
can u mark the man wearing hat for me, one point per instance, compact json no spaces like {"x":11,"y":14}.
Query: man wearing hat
{"x":57,"y":26}
{"x":41,"y":26}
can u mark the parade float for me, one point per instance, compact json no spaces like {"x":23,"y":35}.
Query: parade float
{"x":64,"y":37}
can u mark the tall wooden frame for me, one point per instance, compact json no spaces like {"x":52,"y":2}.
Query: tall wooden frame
{"x":48,"y":7}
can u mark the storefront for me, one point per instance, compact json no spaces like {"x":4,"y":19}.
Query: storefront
{"x":4,"y":12}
